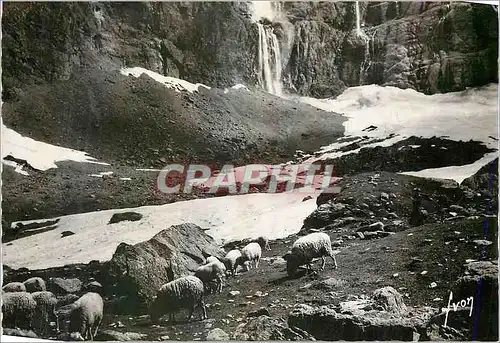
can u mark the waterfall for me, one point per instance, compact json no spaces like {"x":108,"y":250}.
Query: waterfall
{"x":269,"y":54}
{"x":358,"y":20}
{"x":360,"y":33}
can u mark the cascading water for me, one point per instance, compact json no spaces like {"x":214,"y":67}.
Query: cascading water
{"x":360,"y":33}
{"x":269,"y":60}
{"x":269,"y":47}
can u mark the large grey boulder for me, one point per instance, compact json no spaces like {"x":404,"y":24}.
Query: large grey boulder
{"x":384,"y":316}
{"x":137,"y":271}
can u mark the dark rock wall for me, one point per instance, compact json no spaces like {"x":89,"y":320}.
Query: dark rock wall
{"x":431,"y":47}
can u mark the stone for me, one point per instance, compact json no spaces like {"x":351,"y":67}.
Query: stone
{"x":360,"y":323}
{"x":482,"y":242}
{"x":388,"y":299}
{"x":125,"y":216}
{"x":234,"y":293}
{"x":217,"y":334}
{"x":136,"y":272}
{"x":62,"y":286}
{"x":112,"y":335}
{"x":265,"y":328}
{"x":260,"y":312}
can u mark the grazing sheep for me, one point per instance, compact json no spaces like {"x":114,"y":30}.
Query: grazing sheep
{"x":230,"y":260}
{"x":17,"y":310}
{"x":263,"y":242}
{"x":35,"y":284}
{"x":250,"y":253}
{"x":212,"y":259}
{"x":14,"y":287}
{"x":306,"y":248}
{"x":210,"y":272}
{"x":185,"y":292}
{"x":86,"y":315}
{"x":45,"y":311}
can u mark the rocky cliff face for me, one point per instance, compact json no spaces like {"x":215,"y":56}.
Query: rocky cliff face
{"x":431,"y":47}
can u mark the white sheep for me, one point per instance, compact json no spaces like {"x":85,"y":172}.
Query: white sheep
{"x":230,"y":260}
{"x":86,"y":315}
{"x":35,"y":284}
{"x":185,"y":292}
{"x":251,"y":253}
{"x":45,"y":311}
{"x":211,"y":259}
{"x":213,"y":271}
{"x":306,"y":248}
{"x":14,"y":287}
{"x":18,"y":309}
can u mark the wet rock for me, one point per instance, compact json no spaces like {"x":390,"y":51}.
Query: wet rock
{"x":112,"y":335}
{"x":265,"y":328}
{"x":137,"y":271}
{"x":217,"y":335}
{"x":61,"y":286}
{"x":125,"y":216}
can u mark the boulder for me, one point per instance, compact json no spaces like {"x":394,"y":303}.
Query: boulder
{"x":326,"y":323}
{"x":61,"y":286}
{"x":482,"y":284}
{"x":112,"y":335}
{"x":125,"y":216}
{"x":384,"y":316}
{"x":136,"y":272}
{"x":217,"y":335}
{"x":265,"y":328}
{"x":388,"y":299}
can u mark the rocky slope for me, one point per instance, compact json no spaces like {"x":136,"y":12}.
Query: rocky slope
{"x":139,"y":122}
{"x":431,"y":47}
{"x":422,"y":265}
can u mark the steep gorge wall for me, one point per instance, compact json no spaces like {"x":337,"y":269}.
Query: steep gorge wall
{"x":431,"y":47}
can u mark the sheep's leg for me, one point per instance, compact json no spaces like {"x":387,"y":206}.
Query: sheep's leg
{"x":257,"y":262}
{"x":203,"y":308}
{"x":323,"y":262}
{"x":332,"y":255}
{"x":191,"y":312}
{"x":97,"y":324}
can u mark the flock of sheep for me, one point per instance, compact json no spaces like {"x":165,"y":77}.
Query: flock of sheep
{"x":187,"y":292}
{"x":30,"y":303}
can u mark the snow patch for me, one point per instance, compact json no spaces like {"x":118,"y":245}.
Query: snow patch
{"x":457,"y":173}
{"x":226,"y":218}
{"x":19,"y":167}
{"x":125,"y":179}
{"x":101,"y":174}
{"x":39,"y":155}
{"x":394,"y":114}
{"x":170,"y":82}
{"x":237,"y":87}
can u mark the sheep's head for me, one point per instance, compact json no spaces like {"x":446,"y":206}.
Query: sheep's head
{"x":155,"y":311}
{"x":292,"y":263}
